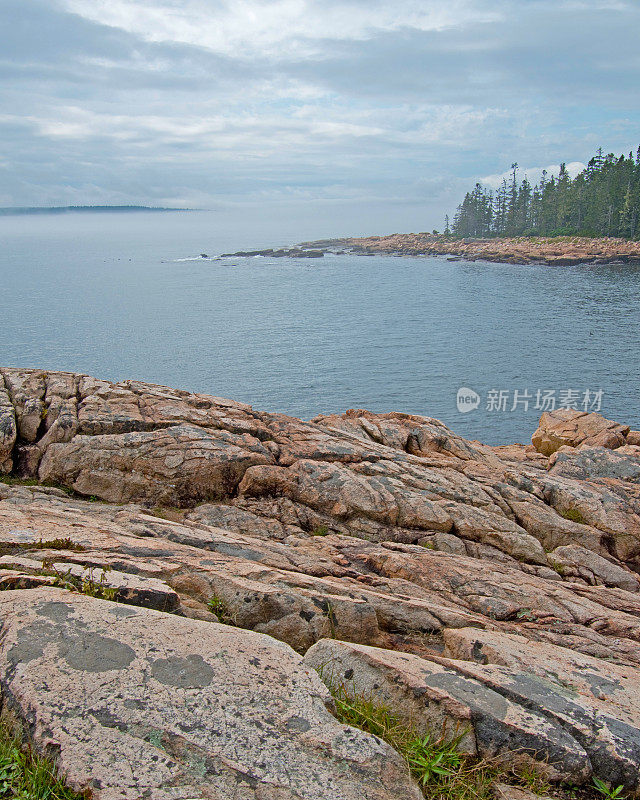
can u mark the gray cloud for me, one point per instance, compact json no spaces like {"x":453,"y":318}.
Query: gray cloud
{"x":344,"y":102}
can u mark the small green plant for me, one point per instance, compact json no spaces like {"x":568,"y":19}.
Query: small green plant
{"x":328,"y":612}
{"x":218,"y":607}
{"x":24,"y":775}
{"x":321,"y":530}
{"x":61,"y":580}
{"x":558,"y":567}
{"x":87,"y":584}
{"x":97,"y":588}
{"x":607,"y":790}
{"x":55,"y":544}
{"x":432,"y":759}
{"x":573,"y":515}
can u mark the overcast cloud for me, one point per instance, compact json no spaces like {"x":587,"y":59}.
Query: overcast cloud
{"x":361,"y":110}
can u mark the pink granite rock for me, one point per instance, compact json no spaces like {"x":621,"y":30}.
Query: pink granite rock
{"x":565,"y":426}
{"x":139,"y":703}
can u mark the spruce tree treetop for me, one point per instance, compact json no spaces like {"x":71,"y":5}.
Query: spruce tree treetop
{"x":602,"y":200}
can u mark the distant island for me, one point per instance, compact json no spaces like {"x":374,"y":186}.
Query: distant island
{"x":14,"y":211}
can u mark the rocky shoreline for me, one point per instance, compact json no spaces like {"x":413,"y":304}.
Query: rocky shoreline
{"x":175,"y":568}
{"x":558,"y":251}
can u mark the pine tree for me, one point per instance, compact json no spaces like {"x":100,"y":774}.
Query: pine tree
{"x":513,"y":199}
{"x":628,"y":215}
{"x":603,"y":200}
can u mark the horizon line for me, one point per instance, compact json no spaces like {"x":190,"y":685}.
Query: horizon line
{"x":7,"y":210}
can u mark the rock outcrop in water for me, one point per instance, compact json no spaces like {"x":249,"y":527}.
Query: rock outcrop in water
{"x":283,"y":252}
{"x":489,"y":590}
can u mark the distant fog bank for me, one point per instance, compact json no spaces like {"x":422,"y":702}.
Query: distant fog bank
{"x":11,"y":211}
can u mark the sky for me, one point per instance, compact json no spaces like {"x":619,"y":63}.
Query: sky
{"x":371,"y":115}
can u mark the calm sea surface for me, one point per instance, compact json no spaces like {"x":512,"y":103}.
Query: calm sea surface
{"x":126,"y":296}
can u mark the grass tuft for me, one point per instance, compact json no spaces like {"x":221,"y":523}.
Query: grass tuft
{"x":87,"y":584}
{"x":54,"y":544}
{"x":573,"y":515}
{"x":218,"y":607}
{"x":531,"y":778}
{"x":17,"y":548}
{"x":171,"y":513}
{"x":608,"y":790}
{"x":558,"y":567}
{"x":436,"y":763}
{"x":13,"y":480}
{"x":24,"y":775}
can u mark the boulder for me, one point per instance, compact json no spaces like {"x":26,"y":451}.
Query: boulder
{"x":8,"y":430}
{"x":421,"y":436}
{"x":439,"y":699}
{"x":182,"y":464}
{"x":588,"y":463}
{"x":137,"y":703}
{"x":597,"y":681}
{"x":597,"y":702}
{"x":566,"y":426}
{"x":345,"y":493}
{"x":573,"y":717}
{"x":575,"y":561}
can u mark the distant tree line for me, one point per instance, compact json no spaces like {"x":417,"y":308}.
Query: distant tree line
{"x":603,"y":200}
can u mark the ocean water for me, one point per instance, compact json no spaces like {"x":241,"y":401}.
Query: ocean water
{"x":127,"y":296}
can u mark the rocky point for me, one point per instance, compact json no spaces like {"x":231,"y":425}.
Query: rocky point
{"x":554,"y":251}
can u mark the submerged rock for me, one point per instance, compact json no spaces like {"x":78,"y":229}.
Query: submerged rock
{"x":284,"y":252}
